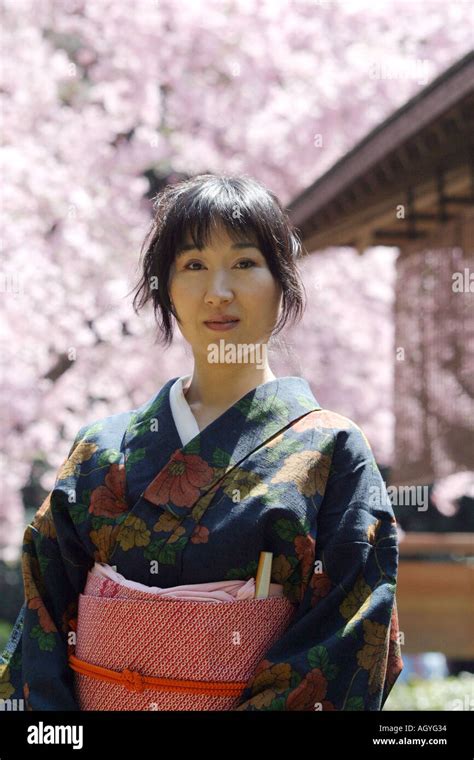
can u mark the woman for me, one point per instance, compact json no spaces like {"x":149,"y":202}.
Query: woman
{"x":219,"y":465}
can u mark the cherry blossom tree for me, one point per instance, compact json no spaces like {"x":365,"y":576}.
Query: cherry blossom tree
{"x":103,"y":102}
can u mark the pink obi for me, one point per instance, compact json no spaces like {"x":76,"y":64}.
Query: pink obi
{"x":146,"y":648}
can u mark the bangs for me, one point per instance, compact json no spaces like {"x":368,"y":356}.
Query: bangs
{"x":198,"y":212}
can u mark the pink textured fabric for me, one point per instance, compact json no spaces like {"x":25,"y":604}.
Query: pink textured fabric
{"x":123,"y":628}
{"x":216,"y":591}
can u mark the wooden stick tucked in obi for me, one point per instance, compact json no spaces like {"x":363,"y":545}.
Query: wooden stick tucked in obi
{"x":264,"y":572}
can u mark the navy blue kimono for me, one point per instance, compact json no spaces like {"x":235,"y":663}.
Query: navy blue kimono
{"x":275,"y":472}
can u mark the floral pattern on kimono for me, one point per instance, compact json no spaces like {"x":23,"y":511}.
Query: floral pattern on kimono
{"x":275,"y":472}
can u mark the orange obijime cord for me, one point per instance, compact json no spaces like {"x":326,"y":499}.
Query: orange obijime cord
{"x":134,"y":681}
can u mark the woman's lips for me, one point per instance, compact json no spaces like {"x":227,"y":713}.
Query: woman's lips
{"x":222,"y":326}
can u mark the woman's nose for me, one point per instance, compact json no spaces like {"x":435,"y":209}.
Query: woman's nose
{"x":219,"y":286}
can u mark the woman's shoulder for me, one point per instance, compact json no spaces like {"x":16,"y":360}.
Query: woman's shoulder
{"x":97,"y":445}
{"x":103,"y":439}
{"x":348,"y":438}
{"x":103,"y":427}
{"x":100,"y":430}
{"x":327,"y":419}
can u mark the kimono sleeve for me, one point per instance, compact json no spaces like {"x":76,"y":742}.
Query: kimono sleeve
{"x":341,"y":651}
{"x":34,"y":671}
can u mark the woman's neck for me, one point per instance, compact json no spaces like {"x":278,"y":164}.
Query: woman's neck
{"x":217,"y":387}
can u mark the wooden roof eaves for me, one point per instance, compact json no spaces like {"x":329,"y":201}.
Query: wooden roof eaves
{"x":418,"y":113}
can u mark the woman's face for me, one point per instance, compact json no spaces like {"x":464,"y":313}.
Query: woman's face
{"x":224,"y":279}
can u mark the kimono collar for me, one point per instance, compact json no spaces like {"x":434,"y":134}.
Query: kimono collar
{"x":256,"y":417}
{"x":183,"y":417}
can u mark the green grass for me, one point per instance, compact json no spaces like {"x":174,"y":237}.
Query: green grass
{"x":451,"y":693}
{"x":5,"y":630}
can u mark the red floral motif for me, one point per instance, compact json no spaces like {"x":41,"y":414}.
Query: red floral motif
{"x":395,"y":662}
{"x":309,"y":694}
{"x":109,"y":500}
{"x":179,"y":483}
{"x":26,"y":694}
{"x":70,"y":612}
{"x":200,"y":535}
{"x":44,"y":617}
{"x":321,"y":585}
{"x":305,"y":547}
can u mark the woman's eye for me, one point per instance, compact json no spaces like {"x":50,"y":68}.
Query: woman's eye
{"x":248,"y":263}
{"x":188,"y":265}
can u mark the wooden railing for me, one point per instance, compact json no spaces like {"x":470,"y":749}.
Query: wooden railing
{"x":435,"y":593}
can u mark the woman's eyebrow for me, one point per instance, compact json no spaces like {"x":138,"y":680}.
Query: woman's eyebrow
{"x":236,"y":246}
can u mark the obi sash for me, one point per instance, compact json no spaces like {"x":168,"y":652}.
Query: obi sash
{"x":140,"y":651}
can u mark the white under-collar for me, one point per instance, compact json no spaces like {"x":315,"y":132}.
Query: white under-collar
{"x":184,"y":419}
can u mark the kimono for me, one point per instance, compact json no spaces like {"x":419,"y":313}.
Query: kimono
{"x":275,"y":472}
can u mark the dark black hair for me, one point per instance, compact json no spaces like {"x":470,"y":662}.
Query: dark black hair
{"x":194,"y":206}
